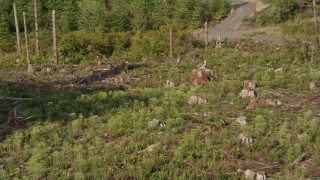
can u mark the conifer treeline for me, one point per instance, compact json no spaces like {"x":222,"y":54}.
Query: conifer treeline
{"x":111,"y":15}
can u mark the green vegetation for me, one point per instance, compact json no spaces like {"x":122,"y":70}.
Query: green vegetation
{"x":281,"y":11}
{"x":104,"y":28}
{"x":89,"y":117}
{"x":103,"y":133}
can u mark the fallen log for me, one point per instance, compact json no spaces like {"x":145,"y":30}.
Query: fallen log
{"x":6,"y":102}
{"x":14,"y":99}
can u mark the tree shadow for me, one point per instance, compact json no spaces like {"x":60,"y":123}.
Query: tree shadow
{"x":86,"y":96}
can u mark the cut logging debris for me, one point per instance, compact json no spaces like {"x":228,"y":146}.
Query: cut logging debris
{"x":117,"y":69}
{"x":202,"y":75}
{"x":14,"y":119}
{"x":17,"y":29}
{"x":30,"y":69}
{"x":36,"y":27}
{"x":55,"y":41}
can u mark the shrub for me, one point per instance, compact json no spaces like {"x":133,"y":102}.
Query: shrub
{"x":155,"y":44}
{"x":75,"y":46}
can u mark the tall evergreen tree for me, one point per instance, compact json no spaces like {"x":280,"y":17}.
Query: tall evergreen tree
{"x":197,"y":16}
{"x":120,"y":16}
{"x":142,"y":12}
{"x":70,"y":15}
{"x":93,"y":15}
{"x":4,"y":28}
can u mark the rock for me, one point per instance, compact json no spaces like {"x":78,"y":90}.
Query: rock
{"x":48,"y":70}
{"x":195,"y":100}
{"x":273,"y":102}
{"x":241,"y":121}
{"x":249,"y":174}
{"x":249,"y":85}
{"x":245,"y":139}
{"x":156,"y":123}
{"x":252,"y":94}
{"x":261,"y":176}
{"x":210,"y":74}
{"x":248,"y":94}
{"x":170,"y":84}
{"x":151,"y":148}
{"x":279,"y":70}
{"x":313,"y":86}
{"x":244,"y":93}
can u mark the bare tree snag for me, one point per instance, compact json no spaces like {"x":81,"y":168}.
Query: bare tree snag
{"x":219,"y":43}
{"x":54,"y":36}
{"x":316,"y":23}
{"x":36,"y":27}
{"x":17,"y":29}
{"x":30,"y":69}
{"x":171,"y":44}
{"x":207,"y":35}
{"x":232,"y":11}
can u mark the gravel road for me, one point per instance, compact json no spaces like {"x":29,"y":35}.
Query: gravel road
{"x":229,"y":27}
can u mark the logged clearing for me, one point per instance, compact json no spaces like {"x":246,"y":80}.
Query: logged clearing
{"x":245,"y":110}
{"x":124,"y":90}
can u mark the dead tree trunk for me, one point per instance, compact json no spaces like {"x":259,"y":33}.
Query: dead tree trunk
{"x":316,"y":24}
{"x":171,"y":44}
{"x":54,"y":36}
{"x":17,"y":29}
{"x":36,"y":27}
{"x":219,"y":43}
{"x":30,"y":69}
{"x":207,"y":35}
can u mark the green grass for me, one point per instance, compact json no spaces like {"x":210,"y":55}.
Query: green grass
{"x":102,"y":133}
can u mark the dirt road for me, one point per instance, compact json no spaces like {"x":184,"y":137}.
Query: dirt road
{"x":229,"y":28}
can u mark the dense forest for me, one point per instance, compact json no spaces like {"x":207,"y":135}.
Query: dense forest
{"x":116,"y":15}
{"x":93,"y":26}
